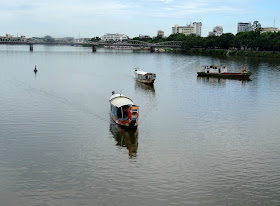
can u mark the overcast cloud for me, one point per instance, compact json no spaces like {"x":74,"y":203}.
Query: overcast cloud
{"x":88,"y":18}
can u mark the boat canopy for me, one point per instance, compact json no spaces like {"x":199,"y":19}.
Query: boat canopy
{"x":115,"y":95}
{"x":141,"y":72}
{"x":119,"y":100}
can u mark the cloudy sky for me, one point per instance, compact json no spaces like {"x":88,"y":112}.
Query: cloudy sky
{"x":90,"y":18}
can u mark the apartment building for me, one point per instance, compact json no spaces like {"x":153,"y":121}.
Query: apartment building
{"x":114,"y":37}
{"x":217,"y":31}
{"x":160,"y":33}
{"x":270,"y":29}
{"x":194,"y":28}
{"x":243,"y":27}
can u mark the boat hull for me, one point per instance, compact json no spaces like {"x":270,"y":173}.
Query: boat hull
{"x":125,"y":124}
{"x":146,"y":81}
{"x":225,"y":75}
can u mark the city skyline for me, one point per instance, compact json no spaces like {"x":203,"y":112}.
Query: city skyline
{"x":89,"y":18}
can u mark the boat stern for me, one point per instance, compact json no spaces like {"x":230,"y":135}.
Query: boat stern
{"x":134,"y":116}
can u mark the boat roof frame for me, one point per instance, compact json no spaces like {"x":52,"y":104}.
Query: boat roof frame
{"x":119,"y":100}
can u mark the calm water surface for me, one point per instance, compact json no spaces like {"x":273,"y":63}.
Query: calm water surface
{"x":200,"y":141}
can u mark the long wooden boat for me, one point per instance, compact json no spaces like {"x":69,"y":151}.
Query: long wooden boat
{"x":221,"y":72}
{"x":123,"y":110}
{"x":144,"y":77}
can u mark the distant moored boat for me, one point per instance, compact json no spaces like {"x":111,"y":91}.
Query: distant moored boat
{"x":221,"y":72}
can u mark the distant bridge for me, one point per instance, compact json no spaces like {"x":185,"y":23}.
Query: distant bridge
{"x":133,"y":43}
{"x":136,"y":43}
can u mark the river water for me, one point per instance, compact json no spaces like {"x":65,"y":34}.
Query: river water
{"x":200,"y":141}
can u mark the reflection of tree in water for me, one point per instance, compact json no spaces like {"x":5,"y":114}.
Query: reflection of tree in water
{"x":125,"y":137}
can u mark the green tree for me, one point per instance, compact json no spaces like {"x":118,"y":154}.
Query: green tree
{"x":176,"y":37}
{"x":210,"y":42}
{"x":95,"y":39}
{"x":225,"y":41}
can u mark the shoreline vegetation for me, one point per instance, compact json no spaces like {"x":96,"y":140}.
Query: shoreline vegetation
{"x":222,"y":52}
{"x":252,"y":44}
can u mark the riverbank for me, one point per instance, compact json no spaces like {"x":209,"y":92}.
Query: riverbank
{"x":270,"y":54}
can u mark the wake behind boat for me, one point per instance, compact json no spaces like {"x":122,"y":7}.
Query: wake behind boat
{"x":144,"y":77}
{"x":221,"y":72}
{"x":123,"y":110}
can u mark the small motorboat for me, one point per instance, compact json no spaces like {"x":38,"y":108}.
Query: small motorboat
{"x":221,"y":72}
{"x":123,"y":110}
{"x":144,"y":77}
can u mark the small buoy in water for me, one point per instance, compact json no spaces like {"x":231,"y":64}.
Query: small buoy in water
{"x":35,"y":70}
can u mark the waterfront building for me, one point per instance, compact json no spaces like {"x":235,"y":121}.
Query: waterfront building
{"x":211,"y":33}
{"x":82,"y":40}
{"x":68,"y":39}
{"x":160,"y":33}
{"x":114,"y":37}
{"x":195,"y":28}
{"x":269,"y":29}
{"x":9,"y":38}
{"x":217,"y":31}
{"x":243,"y":27}
{"x":187,"y":30}
{"x":141,"y":36}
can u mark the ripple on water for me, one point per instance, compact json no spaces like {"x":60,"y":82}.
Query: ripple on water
{"x":200,"y":141}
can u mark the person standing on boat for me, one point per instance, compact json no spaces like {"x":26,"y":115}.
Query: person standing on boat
{"x":35,"y":70}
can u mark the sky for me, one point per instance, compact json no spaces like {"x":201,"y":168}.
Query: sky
{"x":91,"y":18}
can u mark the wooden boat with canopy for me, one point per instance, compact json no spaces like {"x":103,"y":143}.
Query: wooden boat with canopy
{"x":123,"y":110}
{"x":222,"y":72}
{"x":144,"y":77}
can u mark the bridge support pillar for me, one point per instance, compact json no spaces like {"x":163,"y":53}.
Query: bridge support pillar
{"x":93,"y":48}
{"x":152,"y":49}
{"x":31,"y":47}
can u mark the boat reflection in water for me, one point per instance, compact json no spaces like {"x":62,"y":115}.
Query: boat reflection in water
{"x":145,"y":87}
{"x":219,"y":81}
{"x":212,"y":80}
{"x":125,"y":137}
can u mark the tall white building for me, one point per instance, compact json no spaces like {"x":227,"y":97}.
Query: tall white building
{"x":217,"y":31}
{"x":195,"y":28}
{"x":114,"y":37}
{"x":243,"y":27}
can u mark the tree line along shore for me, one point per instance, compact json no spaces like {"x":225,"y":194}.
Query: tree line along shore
{"x":252,"y":43}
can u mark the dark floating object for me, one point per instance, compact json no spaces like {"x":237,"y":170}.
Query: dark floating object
{"x":35,"y":70}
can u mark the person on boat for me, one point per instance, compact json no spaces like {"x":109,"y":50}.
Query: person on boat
{"x":125,"y":111}
{"x":35,"y":70}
